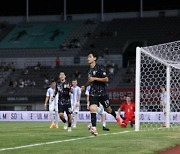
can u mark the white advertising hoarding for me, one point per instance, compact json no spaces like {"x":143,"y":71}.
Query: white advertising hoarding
{"x":84,"y":116}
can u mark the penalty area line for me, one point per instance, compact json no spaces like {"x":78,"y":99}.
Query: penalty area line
{"x":60,"y":141}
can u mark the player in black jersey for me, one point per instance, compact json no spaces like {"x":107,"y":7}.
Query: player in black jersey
{"x":98,"y":78}
{"x":64,"y":105}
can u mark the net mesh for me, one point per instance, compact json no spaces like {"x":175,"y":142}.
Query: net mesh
{"x":153,"y":76}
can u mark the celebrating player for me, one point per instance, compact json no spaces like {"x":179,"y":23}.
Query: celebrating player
{"x":98,"y":94}
{"x":75,"y":101}
{"x":100,"y":110}
{"x":53,"y":104}
{"x":129,"y":108}
{"x":63,"y":88}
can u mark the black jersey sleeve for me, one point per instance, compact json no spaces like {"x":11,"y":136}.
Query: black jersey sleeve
{"x":102,"y":71}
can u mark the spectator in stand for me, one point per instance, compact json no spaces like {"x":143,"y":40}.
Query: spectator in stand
{"x":46,"y":83}
{"x":38,"y":66}
{"x":10,"y":83}
{"x":14,"y":84}
{"x":58,"y":62}
{"x":63,"y":46}
{"x":77,"y":75}
{"x":32,"y":83}
{"x":26,"y":71}
{"x":21,"y":83}
{"x":88,"y":34}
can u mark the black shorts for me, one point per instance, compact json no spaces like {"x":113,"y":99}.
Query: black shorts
{"x":104,"y":100}
{"x":64,"y":108}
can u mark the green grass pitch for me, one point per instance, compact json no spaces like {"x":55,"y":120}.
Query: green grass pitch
{"x":37,"y":137}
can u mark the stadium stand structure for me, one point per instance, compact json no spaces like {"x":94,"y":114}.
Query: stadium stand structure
{"x":115,"y":34}
{"x":38,"y":76}
{"x":36,"y":35}
{"x":44,"y":39}
{"x":5,"y":28}
{"x":118,"y":35}
{"x":6,"y":69}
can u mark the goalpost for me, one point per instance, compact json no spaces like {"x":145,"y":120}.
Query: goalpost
{"x":157,"y":66}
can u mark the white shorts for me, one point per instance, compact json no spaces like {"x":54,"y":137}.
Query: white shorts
{"x":100,"y":110}
{"x":53,"y":107}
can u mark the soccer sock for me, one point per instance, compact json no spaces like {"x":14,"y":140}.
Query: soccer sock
{"x":51,"y":116}
{"x":69,"y":120}
{"x":69,"y":124}
{"x":57,"y":117}
{"x":93,"y":119}
{"x":113,"y":113}
{"x":104,"y":123}
{"x":75,"y":119}
{"x":63,"y":120}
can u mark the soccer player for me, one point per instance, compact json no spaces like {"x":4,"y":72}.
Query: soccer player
{"x":53,"y":104}
{"x":129,"y":108}
{"x":124,"y":100}
{"x":64,"y":105}
{"x":100,"y":109}
{"x":97,"y":78}
{"x":163,"y":98}
{"x":75,"y":101}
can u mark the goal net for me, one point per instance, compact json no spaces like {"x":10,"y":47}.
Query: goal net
{"x":158,"y":86}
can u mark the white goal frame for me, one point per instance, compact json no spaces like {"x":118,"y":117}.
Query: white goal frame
{"x":168,"y":66}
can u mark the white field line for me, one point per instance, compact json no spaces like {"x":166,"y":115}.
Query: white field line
{"x":60,"y":141}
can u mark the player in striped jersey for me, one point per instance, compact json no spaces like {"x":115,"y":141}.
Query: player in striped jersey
{"x":75,"y":101}
{"x":53,"y":104}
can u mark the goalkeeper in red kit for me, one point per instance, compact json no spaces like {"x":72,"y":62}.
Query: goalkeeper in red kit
{"x":129,"y":108}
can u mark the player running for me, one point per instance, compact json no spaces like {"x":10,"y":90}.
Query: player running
{"x":64,"y":105}
{"x":100,"y":111}
{"x":97,"y":78}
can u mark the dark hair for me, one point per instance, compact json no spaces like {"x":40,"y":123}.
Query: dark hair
{"x":74,"y":79}
{"x":53,"y":80}
{"x":94,"y":53}
{"x":125,"y":95}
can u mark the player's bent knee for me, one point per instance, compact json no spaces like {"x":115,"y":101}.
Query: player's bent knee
{"x":61,"y":115}
{"x":93,"y":108}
